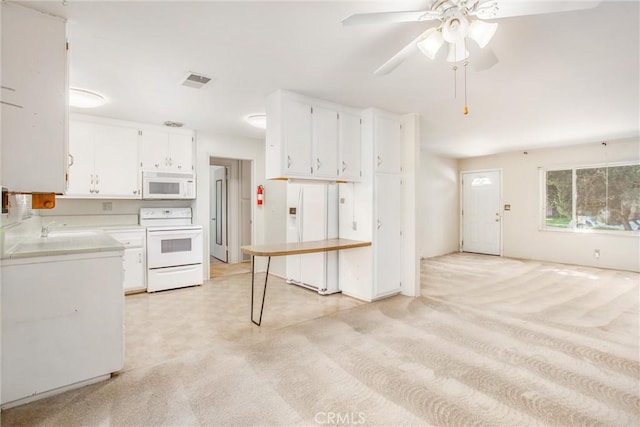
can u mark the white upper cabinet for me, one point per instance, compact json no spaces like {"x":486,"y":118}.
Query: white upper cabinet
{"x":305,"y":139}
{"x":325,"y":142}
{"x":349,"y":146}
{"x":168,"y":151}
{"x":34,"y":100}
{"x":104,"y":161}
{"x":387,"y":139}
{"x":116,"y":162}
{"x":297,"y":138}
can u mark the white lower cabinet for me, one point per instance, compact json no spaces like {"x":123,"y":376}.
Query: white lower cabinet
{"x":62,"y":323}
{"x":387,"y":235}
{"x":134,"y":261}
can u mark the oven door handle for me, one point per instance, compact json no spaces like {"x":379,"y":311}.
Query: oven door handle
{"x":186,"y":233}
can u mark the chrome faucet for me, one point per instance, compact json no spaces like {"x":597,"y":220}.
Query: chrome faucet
{"x":44,"y":231}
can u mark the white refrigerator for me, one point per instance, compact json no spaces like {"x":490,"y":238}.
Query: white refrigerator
{"x":312,"y":214}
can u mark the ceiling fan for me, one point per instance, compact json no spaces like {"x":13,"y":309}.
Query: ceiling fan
{"x":459,"y":20}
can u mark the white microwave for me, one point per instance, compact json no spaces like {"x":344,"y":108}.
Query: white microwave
{"x":168,"y":185}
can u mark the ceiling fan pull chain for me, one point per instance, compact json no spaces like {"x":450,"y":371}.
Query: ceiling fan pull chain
{"x":455,"y":82}
{"x":455,"y":76}
{"x":465,"y":111}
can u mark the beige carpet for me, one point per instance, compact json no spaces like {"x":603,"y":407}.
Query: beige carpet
{"x":493,"y":342}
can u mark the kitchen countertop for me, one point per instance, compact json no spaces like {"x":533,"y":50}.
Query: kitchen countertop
{"x":63,"y":242}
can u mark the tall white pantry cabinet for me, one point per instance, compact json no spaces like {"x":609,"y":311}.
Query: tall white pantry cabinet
{"x":372,"y":210}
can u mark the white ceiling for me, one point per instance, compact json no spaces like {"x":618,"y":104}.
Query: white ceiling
{"x":563,"y":78}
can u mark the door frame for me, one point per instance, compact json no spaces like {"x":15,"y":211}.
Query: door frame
{"x":225,"y":214}
{"x":461,"y":205}
{"x":234,"y":253}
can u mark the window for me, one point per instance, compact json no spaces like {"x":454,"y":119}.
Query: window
{"x":595,"y":198}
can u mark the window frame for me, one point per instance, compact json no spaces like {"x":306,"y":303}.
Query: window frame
{"x":542,"y":224}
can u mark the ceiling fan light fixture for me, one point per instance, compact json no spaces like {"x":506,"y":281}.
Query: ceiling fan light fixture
{"x":482,"y":32}
{"x":457,"y":52}
{"x":431,"y":43}
{"x":455,"y":28}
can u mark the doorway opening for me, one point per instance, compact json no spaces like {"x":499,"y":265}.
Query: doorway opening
{"x":230,"y":224}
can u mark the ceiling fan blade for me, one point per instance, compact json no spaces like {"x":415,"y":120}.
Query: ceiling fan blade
{"x":507,"y":9}
{"x":388,"y":17}
{"x":482,"y":59}
{"x":399,"y":57}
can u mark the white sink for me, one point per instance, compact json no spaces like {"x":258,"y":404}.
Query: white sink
{"x":70,"y":233}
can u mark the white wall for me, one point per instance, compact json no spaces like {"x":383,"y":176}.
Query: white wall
{"x":438,"y":205}
{"x":267,"y":225}
{"x":522,"y":236}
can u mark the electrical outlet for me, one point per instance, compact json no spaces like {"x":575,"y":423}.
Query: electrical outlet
{"x":107,"y":206}
{"x":596,"y":254}
{"x":354,"y":225}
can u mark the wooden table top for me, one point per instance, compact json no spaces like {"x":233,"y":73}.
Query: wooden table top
{"x":280,"y":249}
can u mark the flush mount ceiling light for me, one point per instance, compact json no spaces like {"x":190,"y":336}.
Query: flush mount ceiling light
{"x":83,"y":98}
{"x":258,"y":121}
{"x":171,"y":124}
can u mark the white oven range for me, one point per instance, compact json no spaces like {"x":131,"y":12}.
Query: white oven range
{"x":174,"y":248}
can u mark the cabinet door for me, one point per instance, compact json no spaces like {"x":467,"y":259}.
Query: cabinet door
{"x":349,"y":146}
{"x":134,"y":269}
{"x":34,"y":77}
{"x":116,"y":161}
{"x":180,"y":152}
{"x":387,"y":136}
{"x":297,"y":138}
{"x":387,"y":238}
{"x":325,"y":142}
{"x":154,"y":150}
{"x":81,"y":176}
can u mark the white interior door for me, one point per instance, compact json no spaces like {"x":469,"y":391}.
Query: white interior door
{"x":218,"y":226}
{"x":481,"y":220}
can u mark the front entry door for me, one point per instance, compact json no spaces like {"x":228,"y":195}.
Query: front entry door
{"x":219,"y":212}
{"x":481,"y":220}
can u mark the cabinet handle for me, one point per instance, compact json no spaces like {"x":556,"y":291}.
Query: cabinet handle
{"x":170,"y":161}
{"x":288,"y":162}
{"x":91,"y":190}
{"x":71,"y":162}
{"x":135,"y":191}
{"x":179,"y":166}
{"x":92,"y":178}
{"x":139,"y":258}
{"x":157,"y":165}
{"x":379,"y":224}
{"x":97,"y":190}
{"x":344,"y":166}
{"x":97,"y":180}
{"x":379,"y":161}
{"x":10,"y":104}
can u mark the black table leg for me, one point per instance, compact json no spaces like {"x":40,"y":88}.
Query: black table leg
{"x":264,"y":293}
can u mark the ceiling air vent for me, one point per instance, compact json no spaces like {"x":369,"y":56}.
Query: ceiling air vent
{"x":195,"y":80}
{"x":173,"y":124}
